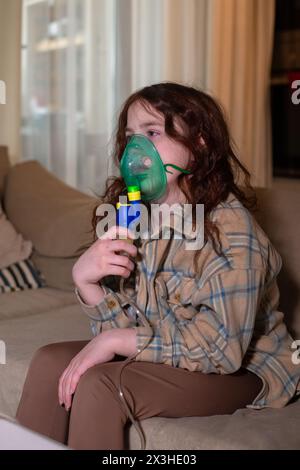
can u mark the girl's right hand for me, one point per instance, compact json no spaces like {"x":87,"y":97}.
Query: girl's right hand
{"x":101,"y":258}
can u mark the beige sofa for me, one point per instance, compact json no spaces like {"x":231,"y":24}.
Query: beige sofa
{"x":56,"y":218}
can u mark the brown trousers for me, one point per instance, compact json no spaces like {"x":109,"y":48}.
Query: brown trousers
{"x":97,"y":418}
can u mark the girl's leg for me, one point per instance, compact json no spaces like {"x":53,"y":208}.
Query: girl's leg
{"x":98,"y":415}
{"x":39,"y":408}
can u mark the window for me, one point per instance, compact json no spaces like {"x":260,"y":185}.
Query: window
{"x":68,"y":97}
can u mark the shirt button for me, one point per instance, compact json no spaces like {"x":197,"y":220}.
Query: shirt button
{"x":111,"y":304}
{"x":177,"y":297}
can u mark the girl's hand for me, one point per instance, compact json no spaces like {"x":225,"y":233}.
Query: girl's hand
{"x":101,"y":258}
{"x":100,"y":349}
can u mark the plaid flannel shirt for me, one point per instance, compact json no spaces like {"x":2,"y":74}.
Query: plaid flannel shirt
{"x":216,"y":318}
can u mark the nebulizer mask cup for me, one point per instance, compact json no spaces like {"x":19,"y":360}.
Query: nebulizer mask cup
{"x":141,"y":166}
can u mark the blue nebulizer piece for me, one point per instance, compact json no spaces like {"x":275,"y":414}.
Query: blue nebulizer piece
{"x":128,"y":214}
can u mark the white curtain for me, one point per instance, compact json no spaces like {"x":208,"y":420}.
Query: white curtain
{"x":239,"y":69}
{"x":82,"y":58}
{"x":10,"y":44}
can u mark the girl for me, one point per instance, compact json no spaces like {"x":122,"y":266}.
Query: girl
{"x":207,"y":319}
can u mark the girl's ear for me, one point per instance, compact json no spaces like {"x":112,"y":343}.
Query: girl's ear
{"x":202,"y":141}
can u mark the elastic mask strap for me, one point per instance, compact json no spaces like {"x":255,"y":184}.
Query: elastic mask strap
{"x":176,"y":168}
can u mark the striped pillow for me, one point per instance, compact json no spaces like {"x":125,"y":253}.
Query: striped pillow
{"x":21,"y":275}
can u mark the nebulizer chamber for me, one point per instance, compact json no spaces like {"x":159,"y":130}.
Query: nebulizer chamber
{"x":145,"y":177}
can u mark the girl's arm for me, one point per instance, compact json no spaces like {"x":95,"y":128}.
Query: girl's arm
{"x":123,"y":340}
{"x":91,"y":294}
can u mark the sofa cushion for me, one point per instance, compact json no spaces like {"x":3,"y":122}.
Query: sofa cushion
{"x":266,"y":429}
{"x":54,"y":216}
{"x":4,"y":168}
{"x":33,"y":302}
{"x":13,"y":247}
{"x":279,"y":217}
{"x":56,"y":270}
{"x":20,"y":276}
{"x":23,"y":336}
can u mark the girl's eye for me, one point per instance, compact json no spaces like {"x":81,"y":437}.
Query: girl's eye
{"x":153,"y":133}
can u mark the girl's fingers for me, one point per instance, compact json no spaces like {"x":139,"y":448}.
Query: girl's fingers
{"x":63,"y":383}
{"x":60,"y":386}
{"x":63,"y":388}
{"x":118,"y":271}
{"x":66,"y":387}
{"x":73,"y":382}
{"x":122,"y":245}
{"x":116,"y":230}
{"x":68,"y":383}
{"x":121,"y":260}
{"x":71,"y":385}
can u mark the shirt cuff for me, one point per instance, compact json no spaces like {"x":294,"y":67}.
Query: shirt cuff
{"x":108,"y":309}
{"x":149,"y":344}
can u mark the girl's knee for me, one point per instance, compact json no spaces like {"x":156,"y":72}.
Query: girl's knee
{"x":89,"y":380}
{"x":45,"y":354}
{"x":100,"y":377}
{"x":54,"y":356}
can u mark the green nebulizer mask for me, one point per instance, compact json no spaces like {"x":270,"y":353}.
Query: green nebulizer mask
{"x":142,"y":166}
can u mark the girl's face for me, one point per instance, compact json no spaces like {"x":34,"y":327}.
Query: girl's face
{"x":151,"y":123}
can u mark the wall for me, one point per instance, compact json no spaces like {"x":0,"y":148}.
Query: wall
{"x":10,"y":49}
{"x":286,"y":183}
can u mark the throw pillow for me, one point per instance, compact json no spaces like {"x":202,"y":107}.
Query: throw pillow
{"x":21,"y":275}
{"x":13,"y":247}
